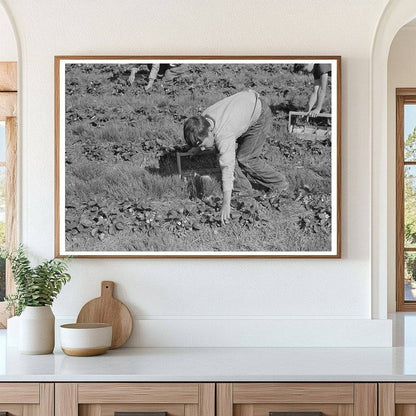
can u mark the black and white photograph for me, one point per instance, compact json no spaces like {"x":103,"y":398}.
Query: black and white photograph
{"x":207,"y":157}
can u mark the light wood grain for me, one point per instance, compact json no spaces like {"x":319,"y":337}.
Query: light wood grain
{"x":84,"y":352}
{"x":224,"y":399}
{"x":47,"y":399}
{"x":191,"y":410}
{"x":8,"y":105}
{"x":207,"y":399}
{"x":110,"y":409}
{"x":345,"y":410}
{"x":236,"y":408}
{"x":90,"y":410}
{"x":31,"y":410}
{"x":405,"y":393}
{"x":252,"y":393}
{"x":245,"y":410}
{"x":264,"y":409}
{"x":138,"y":393}
{"x":11,"y":196}
{"x":386,"y":399}
{"x":8,"y":76}
{"x":66,"y":399}
{"x":13,"y":409}
{"x":27,"y":393}
{"x":365,"y":399}
{"x":109,"y":310}
{"x":405,"y":410}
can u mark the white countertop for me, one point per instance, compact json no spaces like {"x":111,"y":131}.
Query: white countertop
{"x":213,"y":364}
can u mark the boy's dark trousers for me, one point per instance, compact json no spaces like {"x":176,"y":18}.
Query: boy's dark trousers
{"x":249,"y":166}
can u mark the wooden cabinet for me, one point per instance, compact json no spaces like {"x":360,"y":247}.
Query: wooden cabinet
{"x":108,"y":399}
{"x":27,"y":399}
{"x":397,"y":399}
{"x":208,"y":399}
{"x":264,"y":399}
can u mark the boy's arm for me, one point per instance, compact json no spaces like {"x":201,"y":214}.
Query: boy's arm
{"x":226,"y":148}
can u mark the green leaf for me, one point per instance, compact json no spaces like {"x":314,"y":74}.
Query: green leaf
{"x":35,"y":286}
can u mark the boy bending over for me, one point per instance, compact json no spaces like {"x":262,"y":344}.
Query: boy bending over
{"x":238,"y":127}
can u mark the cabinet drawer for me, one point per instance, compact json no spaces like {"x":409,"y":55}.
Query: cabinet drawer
{"x":143,"y":409}
{"x":292,"y":393}
{"x":397,"y":399}
{"x":19,"y":393}
{"x":138,"y":393}
{"x":21,"y":399}
{"x":153,"y":399}
{"x":297,"y":399}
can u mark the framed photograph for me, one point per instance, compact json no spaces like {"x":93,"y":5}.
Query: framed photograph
{"x":198,"y":156}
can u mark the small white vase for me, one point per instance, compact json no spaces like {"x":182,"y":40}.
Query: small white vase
{"x":37,"y":330}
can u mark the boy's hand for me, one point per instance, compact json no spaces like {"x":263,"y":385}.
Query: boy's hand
{"x":194,"y":151}
{"x":226,"y":208}
{"x":225,"y":213}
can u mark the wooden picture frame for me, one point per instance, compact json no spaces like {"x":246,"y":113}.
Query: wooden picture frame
{"x":126,"y":186}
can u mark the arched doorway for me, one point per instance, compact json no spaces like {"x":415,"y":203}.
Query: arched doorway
{"x":396,"y":14}
{"x":8,"y":148}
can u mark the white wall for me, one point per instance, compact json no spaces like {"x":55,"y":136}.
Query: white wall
{"x":8,"y":47}
{"x":179,"y":302}
{"x":401,"y":74}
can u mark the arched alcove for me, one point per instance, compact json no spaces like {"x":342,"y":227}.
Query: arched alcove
{"x":396,"y":14}
{"x":9,"y":58}
{"x":8,"y":44}
{"x":401,"y":73}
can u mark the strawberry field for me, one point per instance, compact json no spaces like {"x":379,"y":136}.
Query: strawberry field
{"x":122,"y":189}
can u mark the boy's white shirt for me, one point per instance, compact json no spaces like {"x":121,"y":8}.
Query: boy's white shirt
{"x":232,"y":116}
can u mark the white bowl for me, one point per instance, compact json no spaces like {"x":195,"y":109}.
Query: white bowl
{"x":83,"y":340}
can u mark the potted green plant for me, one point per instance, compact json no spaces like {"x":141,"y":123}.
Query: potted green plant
{"x":36,"y":289}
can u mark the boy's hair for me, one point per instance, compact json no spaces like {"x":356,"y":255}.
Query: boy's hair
{"x":195,"y":130}
{"x":299,"y":68}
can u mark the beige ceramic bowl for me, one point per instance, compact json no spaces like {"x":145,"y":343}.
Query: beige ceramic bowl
{"x":83,"y":340}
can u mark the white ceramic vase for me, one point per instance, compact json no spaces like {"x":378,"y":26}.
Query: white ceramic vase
{"x":37,"y":330}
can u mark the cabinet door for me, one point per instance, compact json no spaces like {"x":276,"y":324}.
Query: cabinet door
{"x":296,"y":399}
{"x":144,"y":399}
{"x":26,"y":399}
{"x":397,"y":399}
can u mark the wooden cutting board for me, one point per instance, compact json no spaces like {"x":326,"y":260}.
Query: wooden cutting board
{"x":107,"y":309}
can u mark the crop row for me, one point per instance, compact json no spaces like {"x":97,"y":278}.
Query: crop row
{"x":101,"y":218}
